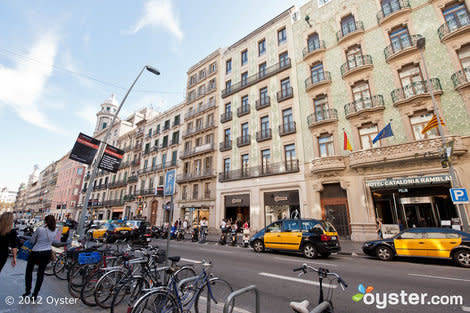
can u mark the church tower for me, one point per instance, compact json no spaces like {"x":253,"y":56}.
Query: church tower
{"x":105,"y":115}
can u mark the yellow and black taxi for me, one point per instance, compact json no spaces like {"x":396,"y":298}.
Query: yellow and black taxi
{"x":111,"y":232}
{"x":309,"y":236}
{"x":444,"y":243}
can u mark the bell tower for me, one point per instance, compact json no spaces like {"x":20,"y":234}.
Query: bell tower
{"x":105,"y":115}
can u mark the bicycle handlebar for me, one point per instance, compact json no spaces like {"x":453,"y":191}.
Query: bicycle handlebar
{"x":323,"y":272}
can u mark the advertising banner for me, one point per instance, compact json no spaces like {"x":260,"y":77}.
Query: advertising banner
{"x":84,"y":149}
{"x":111,"y":159}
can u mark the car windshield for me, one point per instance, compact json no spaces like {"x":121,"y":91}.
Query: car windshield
{"x":328,"y":227}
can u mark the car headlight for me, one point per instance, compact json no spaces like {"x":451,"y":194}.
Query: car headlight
{"x":367,"y":244}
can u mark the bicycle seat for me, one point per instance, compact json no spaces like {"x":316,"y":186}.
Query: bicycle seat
{"x":300,"y":307}
{"x":174,"y":258}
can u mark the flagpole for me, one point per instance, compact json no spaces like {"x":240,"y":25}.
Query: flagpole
{"x":460,"y":208}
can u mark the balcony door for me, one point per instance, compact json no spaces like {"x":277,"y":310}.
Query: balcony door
{"x":456,"y":16}
{"x":400,"y":39}
{"x":361,"y":95}
{"x":348,"y":24}
{"x":464,"y":57}
{"x":317,"y":73}
{"x":265,"y":160}
{"x":320,"y":105}
{"x":411,"y":80}
{"x":313,"y":42}
{"x":390,"y":6}
{"x":354,"y":56}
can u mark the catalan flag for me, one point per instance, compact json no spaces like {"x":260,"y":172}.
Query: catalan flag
{"x":432,"y":124}
{"x":347,"y":144}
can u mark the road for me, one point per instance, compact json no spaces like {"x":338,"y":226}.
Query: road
{"x":273,"y":276}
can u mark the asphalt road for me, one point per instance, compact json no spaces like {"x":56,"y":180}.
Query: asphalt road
{"x":278,"y":285}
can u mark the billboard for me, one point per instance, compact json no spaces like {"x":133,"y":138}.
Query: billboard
{"x":84,"y":149}
{"x":111,"y":159}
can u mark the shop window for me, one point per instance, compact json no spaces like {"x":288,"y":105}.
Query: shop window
{"x":418,"y":121}
{"x":367,"y":133}
{"x":326,"y":147}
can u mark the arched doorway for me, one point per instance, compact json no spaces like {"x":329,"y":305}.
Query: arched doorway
{"x":153,"y":213}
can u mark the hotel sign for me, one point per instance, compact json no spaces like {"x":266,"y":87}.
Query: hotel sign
{"x":408,"y":181}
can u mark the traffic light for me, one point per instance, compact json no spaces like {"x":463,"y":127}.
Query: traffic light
{"x":444,"y":160}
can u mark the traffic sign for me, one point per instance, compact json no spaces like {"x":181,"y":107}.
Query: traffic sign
{"x":170,"y":183}
{"x":459,"y":195}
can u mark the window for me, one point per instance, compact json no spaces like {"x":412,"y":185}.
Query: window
{"x":263,"y":96}
{"x":292,"y":226}
{"x":411,"y":235}
{"x":198,"y":142}
{"x":400,"y":39}
{"x":262,"y":70}
{"x":165,"y":141}
{"x":227,"y":135}
{"x":361,"y":95}
{"x":202,"y":74}
{"x":176,"y":137}
{"x":201,"y":90}
{"x":195,"y":191}
{"x":281,"y":36}
{"x":208,"y":164}
{"x":289,"y":152}
{"x":320,"y":105}
{"x":464,"y":57}
{"x":348,"y":25}
{"x":150,"y":132}
{"x":245,"y":160}
{"x":228,"y":108}
{"x":456,"y":16}
{"x":244,"y":78}
{"x":274,"y":227}
{"x":209,"y":138}
{"x":210,"y":120}
{"x":226,"y":165}
{"x":147,"y":148}
{"x":177,"y":120}
{"x":411,"y":80}
{"x":167,"y":124}
{"x":367,"y":133}
{"x":390,"y":6}
{"x":104,"y":125}
{"x":154,"y":161}
{"x":265,"y":158}
{"x":156,"y":142}
{"x":245,"y":130}
{"x":418,"y":121}
{"x":228,"y":66}
{"x":245,"y":103}
{"x":158,"y":129}
{"x":284,"y":59}
{"x":197,"y":167}
{"x":228,"y":85}
{"x":244,"y":57}
{"x":199,"y":123}
{"x":164,"y":159}
{"x":354,"y":56}
{"x":212,"y":84}
{"x":325,"y":144}
{"x":313,"y":42}
{"x":262,"y":47}
{"x":285,"y":87}
{"x":212,"y":67}
{"x":264,"y":126}
{"x":80,"y":171}
{"x":317,"y":73}
{"x":287,"y":118}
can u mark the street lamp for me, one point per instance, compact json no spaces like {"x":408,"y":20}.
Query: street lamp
{"x":101,"y":151}
{"x":420,"y":44}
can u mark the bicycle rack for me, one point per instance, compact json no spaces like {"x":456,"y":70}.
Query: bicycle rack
{"x":239,"y":292}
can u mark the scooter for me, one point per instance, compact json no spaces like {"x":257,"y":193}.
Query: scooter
{"x":223,"y":238}
{"x":234,"y":237}
{"x":246,"y":238}
{"x":180,"y":234}
{"x":195,"y":234}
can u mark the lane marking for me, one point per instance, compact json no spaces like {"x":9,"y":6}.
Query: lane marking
{"x":465,"y":308}
{"x":439,"y":277}
{"x":190,"y":260}
{"x":308,"y":262}
{"x":297,"y":280}
{"x":216,"y":251}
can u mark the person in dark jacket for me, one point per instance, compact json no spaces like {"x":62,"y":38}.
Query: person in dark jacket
{"x":8,"y":238}
{"x":40,"y":254}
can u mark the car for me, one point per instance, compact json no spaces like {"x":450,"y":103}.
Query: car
{"x":310,"y":236}
{"x":110,"y":232}
{"x":427,"y":242}
{"x":135,"y":224}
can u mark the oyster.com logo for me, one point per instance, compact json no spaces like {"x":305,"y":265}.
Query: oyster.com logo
{"x":362,"y":291}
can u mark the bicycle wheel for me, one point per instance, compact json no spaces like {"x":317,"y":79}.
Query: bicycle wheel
{"x":217,"y":290}
{"x":49,"y":271}
{"x":188,"y":290}
{"x":60,"y":267}
{"x":156,"y":301}
{"x":77,"y":278}
{"x":105,"y":288}
{"x":127,"y":292}
{"x":87,"y":293}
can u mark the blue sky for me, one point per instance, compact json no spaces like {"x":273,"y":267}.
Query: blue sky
{"x":59,"y":60}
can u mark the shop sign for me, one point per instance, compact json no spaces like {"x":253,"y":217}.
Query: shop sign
{"x":234,"y":201}
{"x":408,"y":181}
{"x":279,"y":198}
{"x":237,"y":201}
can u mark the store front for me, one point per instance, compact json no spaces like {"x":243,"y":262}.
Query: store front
{"x":117,"y":214}
{"x":281,"y":205}
{"x":194,"y":215}
{"x":237,"y":208}
{"x":422,"y":201}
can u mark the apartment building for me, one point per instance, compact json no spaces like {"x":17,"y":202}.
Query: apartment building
{"x":196,"y":175}
{"x":358,"y":72}
{"x":260,"y":157}
{"x":20,"y":202}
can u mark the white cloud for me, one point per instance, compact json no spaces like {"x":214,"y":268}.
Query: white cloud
{"x":88,"y":113}
{"x":23,"y":85}
{"x":160,"y":13}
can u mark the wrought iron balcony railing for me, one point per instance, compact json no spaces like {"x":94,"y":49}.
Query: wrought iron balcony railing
{"x":364,"y":104}
{"x":359,"y":61}
{"x":264,"y":134}
{"x":391,"y":7}
{"x":321,"y":117}
{"x":415,"y":89}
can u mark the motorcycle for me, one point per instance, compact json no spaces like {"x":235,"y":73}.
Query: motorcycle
{"x":234,"y":237}
{"x":246,"y":238}
{"x":223,"y":237}
{"x":180,"y":234}
{"x":195,"y":234}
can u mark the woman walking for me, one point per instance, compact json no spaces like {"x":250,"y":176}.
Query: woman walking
{"x":41,"y":254}
{"x":8,"y":238}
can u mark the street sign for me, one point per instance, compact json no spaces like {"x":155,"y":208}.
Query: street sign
{"x":84,"y":149}
{"x":459,"y":195}
{"x":111,"y":159}
{"x":159,"y":191}
{"x":170,"y":183}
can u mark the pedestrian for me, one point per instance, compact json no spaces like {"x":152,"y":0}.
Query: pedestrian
{"x":222,"y":225}
{"x":40,"y":254}
{"x":8,"y":238}
{"x":246,"y":226}
{"x":379,"y":227}
{"x":185,"y":224}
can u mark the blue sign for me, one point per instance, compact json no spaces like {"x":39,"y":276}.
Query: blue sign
{"x":170,"y":183}
{"x":459,"y":195}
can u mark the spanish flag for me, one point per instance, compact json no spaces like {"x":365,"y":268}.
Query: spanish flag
{"x":347,"y":144}
{"x":432,"y":124}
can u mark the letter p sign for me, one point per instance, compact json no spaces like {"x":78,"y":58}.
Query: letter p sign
{"x":459,"y":195}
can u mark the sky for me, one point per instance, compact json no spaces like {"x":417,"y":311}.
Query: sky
{"x":59,"y":60}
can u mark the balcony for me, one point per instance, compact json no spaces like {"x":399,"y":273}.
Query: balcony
{"x":225,"y":117}
{"x":116,"y":202}
{"x":243,"y":110}
{"x":414,"y":91}
{"x":169,"y":164}
{"x":284,"y":94}
{"x":139,"y":133}
{"x":264,"y":134}
{"x":349,"y":31}
{"x":313,"y":48}
{"x":287,"y":129}
{"x":174,"y":142}
{"x":100,"y":187}
{"x":207,"y":195}
{"x":453,"y":28}
{"x":127,"y":148}
{"x":197,"y":151}
{"x":401,"y":47}
{"x":418,"y":151}
{"x":204,"y":108}
{"x":356,"y":64}
{"x":355,"y":108}
{"x":117,"y":184}
{"x":132,"y":179}
{"x":129,"y":197}
{"x":225,"y":146}
{"x":189,"y":177}
{"x":322,"y":117}
{"x":318,"y":80}
{"x":327,"y":164}
{"x":461,"y":79}
{"x":135,"y":163}
{"x":199,"y":129}
{"x":151,"y":169}
{"x":243,"y":141}
{"x":262,"y":103}
{"x":124,"y":164}
{"x":137,"y":147}
{"x":394,"y":9}
{"x":145,"y":192}
{"x":290,"y":166}
{"x":253,"y":79}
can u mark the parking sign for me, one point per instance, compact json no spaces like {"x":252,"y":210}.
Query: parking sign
{"x":170,"y":182}
{"x":459,"y":195}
